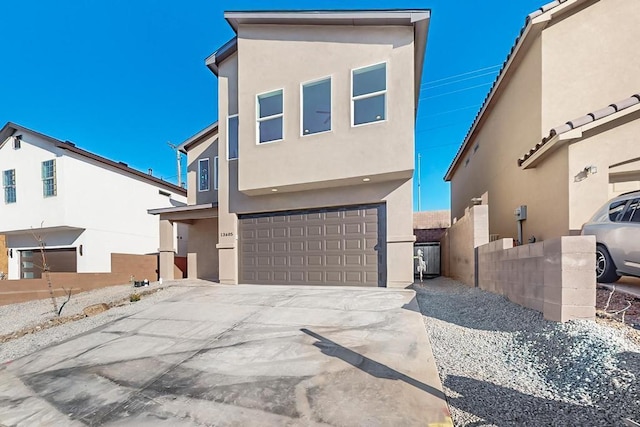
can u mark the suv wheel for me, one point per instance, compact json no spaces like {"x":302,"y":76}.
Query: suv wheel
{"x":605,"y":268}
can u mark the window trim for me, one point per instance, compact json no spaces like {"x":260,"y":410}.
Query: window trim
{"x":264,"y":119}
{"x":200,"y":161}
{"x":216,"y":171}
{"x":53,"y":177}
{"x":6,"y":186}
{"x":302,"y":85}
{"x":229,"y":117}
{"x":384,"y":92}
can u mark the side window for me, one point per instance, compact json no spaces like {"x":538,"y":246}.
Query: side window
{"x":615,"y":209}
{"x":49,"y":186}
{"x":270,"y":116}
{"x":369,"y":94}
{"x":232,"y":137}
{"x":316,"y":107}
{"x":9,"y":184}
{"x":632,"y":214}
{"x":203,"y":175}
{"x":215,"y":173}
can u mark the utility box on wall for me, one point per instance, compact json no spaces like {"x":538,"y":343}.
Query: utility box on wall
{"x":521,"y":213}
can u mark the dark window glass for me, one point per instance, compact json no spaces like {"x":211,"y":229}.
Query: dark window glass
{"x":615,"y":209}
{"x":632,"y":213}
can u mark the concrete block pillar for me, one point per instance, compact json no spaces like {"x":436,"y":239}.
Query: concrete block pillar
{"x":569,"y":278}
{"x":167,"y":253}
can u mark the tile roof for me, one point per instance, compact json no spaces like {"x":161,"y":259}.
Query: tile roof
{"x":581,"y":121}
{"x":547,"y":7}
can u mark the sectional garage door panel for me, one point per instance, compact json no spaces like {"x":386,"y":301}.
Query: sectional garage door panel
{"x":331,"y":247}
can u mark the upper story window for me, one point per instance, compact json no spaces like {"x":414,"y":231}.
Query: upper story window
{"x":232,"y":137}
{"x":215,"y":173}
{"x":369,"y":94}
{"x":9,"y":184}
{"x":17,"y":142}
{"x":270,"y":116}
{"x":49,"y":187}
{"x":203,"y":175}
{"x":316,"y":106}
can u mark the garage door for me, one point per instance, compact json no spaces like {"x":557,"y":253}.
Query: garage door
{"x":58,"y":260}
{"x":340,"y":246}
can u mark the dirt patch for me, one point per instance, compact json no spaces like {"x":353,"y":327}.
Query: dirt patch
{"x":56,"y":321}
{"x":619,"y":310}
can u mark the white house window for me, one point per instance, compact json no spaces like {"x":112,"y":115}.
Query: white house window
{"x":270,"y":116}
{"x":369,"y":94}
{"x":316,"y":107}
{"x":203,"y":175}
{"x":215,"y":173}
{"x":49,"y":188}
{"x":9,"y":184}
{"x":232,"y":137}
{"x":17,"y":141}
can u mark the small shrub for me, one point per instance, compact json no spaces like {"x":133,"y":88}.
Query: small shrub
{"x":134,"y":297}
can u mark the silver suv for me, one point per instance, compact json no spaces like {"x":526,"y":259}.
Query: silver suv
{"x":616,"y":226}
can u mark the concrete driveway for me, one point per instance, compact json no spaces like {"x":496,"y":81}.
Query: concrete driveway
{"x":237,"y":356}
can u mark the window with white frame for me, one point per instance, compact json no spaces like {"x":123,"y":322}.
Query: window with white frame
{"x":369,"y":94}
{"x":9,"y":184}
{"x":316,"y":106}
{"x":49,"y":188}
{"x":203,"y":175}
{"x":232,"y":137}
{"x":270,"y":116}
{"x":215,"y":173}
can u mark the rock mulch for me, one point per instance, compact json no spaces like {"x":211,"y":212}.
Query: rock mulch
{"x":504,"y":365}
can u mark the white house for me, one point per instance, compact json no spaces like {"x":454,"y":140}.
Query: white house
{"x":83,"y":206}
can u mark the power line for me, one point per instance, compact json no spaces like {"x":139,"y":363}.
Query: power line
{"x":456,"y":91}
{"x":450,"y":111}
{"x":461,"y":80}
{"x":460,"y":75}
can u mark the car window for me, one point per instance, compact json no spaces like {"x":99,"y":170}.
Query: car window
{"x":632,"y":214}
{"x":615,"y":208}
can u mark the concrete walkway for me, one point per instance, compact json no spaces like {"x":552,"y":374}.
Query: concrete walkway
{"x":239,"y":355}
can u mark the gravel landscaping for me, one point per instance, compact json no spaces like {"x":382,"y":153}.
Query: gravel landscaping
{"x":37,"y":318}
{"x":502,"y":364}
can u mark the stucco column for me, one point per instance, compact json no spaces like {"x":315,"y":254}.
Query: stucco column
{"x":166,"y":250}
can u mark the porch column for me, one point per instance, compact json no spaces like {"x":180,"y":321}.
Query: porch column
{"x":167,"y":253}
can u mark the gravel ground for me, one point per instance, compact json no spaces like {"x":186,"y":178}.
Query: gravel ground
{"x":16,"y":317}
{"x":502,"y":364}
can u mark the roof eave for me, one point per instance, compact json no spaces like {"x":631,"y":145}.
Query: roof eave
{"x":185,"y":146}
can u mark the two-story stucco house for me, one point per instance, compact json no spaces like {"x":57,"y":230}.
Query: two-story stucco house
{"x":559,"y":129}
{"x":82,"y":206}
{"x":307,"y":176}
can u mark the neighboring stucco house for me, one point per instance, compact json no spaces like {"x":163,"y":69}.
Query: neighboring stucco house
{"x":307,"y":176}
{"x":83,"y":206}
{"x":559,"y":129}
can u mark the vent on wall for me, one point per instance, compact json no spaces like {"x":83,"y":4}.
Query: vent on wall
{"x":164,"y":193}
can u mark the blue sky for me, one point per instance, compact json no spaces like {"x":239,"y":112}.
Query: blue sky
{"x":121,"y":78}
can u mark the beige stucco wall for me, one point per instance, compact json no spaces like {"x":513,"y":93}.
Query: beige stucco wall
{"x":459,"y":243}
{"x":590,"y":60}
{"x":207,"y":149}
{"x":511,"y":128}
{"x":311,"y":164}
{"x":284,"y":57}
{"x":202,"y":255}
{"x":603,"y":147}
